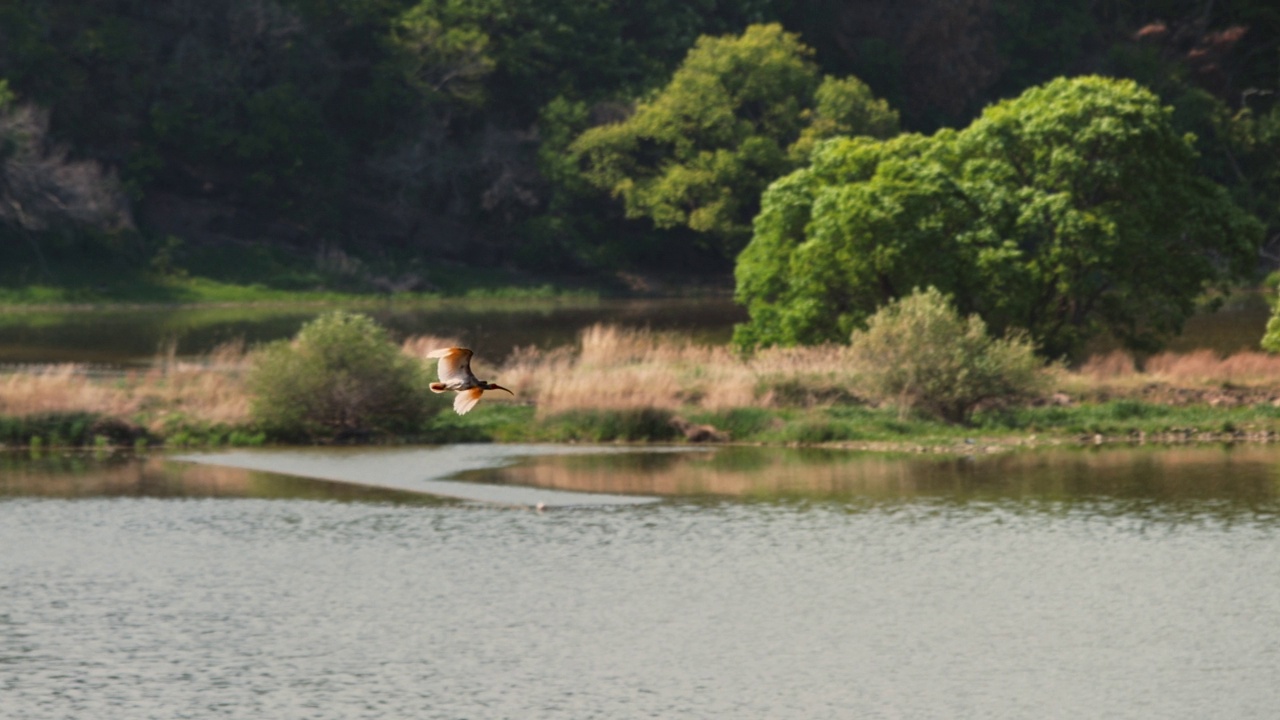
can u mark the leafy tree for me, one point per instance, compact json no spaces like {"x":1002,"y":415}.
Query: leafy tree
{"x":1068,"y":211}
{"x":1241,"y":150}
{"x":1201,"y":59}
{"x":700,"y":151}
{"x":842,"y":106}
{"x":341,"y":377}
{"x":1255,"y":141}
{"x":411,"y":127}
{"x":497,"y":83}
{"x":444,"y":59}
{"x":918,"y":351}
{"x":255,"y":105}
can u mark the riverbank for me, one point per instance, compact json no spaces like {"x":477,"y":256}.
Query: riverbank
{"x":235,"y":276}
{"x":632,"y":386}
{"x":200,"y":293}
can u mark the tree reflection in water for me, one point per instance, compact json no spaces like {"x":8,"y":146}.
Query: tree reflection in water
{"x":1162,"y":480}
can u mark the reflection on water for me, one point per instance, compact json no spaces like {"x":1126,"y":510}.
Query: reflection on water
{"x":770,"y":584}
{"x":1195,"y":478}
{"x":132,"y":337}
{"x":1215,"y":480}
{"x":425,"y":470}
{"x":79,"y":475}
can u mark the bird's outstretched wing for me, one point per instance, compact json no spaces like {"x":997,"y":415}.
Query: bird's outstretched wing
{"x":454,"y":366}
{"x":467,"y":399}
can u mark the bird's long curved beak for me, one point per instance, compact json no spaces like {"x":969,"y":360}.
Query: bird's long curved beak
{"x":494,"y":386}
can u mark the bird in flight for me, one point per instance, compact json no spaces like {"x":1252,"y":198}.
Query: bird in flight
{"x":456,"y":375}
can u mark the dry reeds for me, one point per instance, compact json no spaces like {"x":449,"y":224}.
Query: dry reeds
{"x":210,"y":390}
{"x":60,"y":388}
{"x":1206,"y":367}
{"x":1108,"y":366}
{"x":615,"y":368}
{"x":1198,"y":368}
{"x":620,"y":369}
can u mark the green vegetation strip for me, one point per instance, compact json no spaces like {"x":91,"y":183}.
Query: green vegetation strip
{"x":853,"y":426}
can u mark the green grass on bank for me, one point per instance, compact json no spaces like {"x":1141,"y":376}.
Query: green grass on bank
{"x":500,"y":422}
{"x":91,"y":273}
{"x":513,"y":423}
{"x":1130,"y":417}
{"x":145,"y":290}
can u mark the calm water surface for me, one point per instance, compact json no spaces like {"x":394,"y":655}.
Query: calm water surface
{"x":752,"y":584}
{"x":134,"y":337}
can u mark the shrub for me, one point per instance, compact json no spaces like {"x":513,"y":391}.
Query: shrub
{"x":920,"y":351}
{"x":56,"y":428}
{"x":340,"y":378}
{"x":1271,"y":338}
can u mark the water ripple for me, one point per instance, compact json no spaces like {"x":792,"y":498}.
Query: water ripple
{"x":147,"y":608}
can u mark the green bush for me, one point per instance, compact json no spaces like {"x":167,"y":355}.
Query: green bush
{"x":61,"y":429}
{"x":341,"y":378}
{"x":1271,"y":338}
{"x":919,"y":351}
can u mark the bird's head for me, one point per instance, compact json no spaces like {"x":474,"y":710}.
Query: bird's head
{"x":495,"y":386}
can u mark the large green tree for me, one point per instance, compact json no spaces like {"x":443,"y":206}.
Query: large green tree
{"x":1073,"y":209}
{"x":739,"y":112}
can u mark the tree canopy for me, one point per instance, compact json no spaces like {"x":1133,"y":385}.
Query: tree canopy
{"x":1073,"y":209}
{"x":738,"y":112}
{"x":421,"y":131}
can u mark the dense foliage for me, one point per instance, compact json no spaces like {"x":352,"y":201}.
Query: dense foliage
{"x":739,"y":112}
{"x":418,"y":131}
{"x":919,"y":352}
{"x":340,"y":378}
{"x":1074,"y":209}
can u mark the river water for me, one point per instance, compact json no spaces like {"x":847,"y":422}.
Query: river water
{"x":133,"y":337}
{"x":731,"y":583}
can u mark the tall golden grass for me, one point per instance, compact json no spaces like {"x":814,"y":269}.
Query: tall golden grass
{"x":618,"y":368}
{"x":1207,"y":367}
{"x":1195,"y":369}
{"x":614,"y":368}
{"x":211,"y":389}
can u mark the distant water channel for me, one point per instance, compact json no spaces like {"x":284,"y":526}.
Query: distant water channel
{"x":726,"y":583}
{"x":133,"y":337}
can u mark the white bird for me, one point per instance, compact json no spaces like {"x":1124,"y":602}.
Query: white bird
{"x":455,"y":374}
